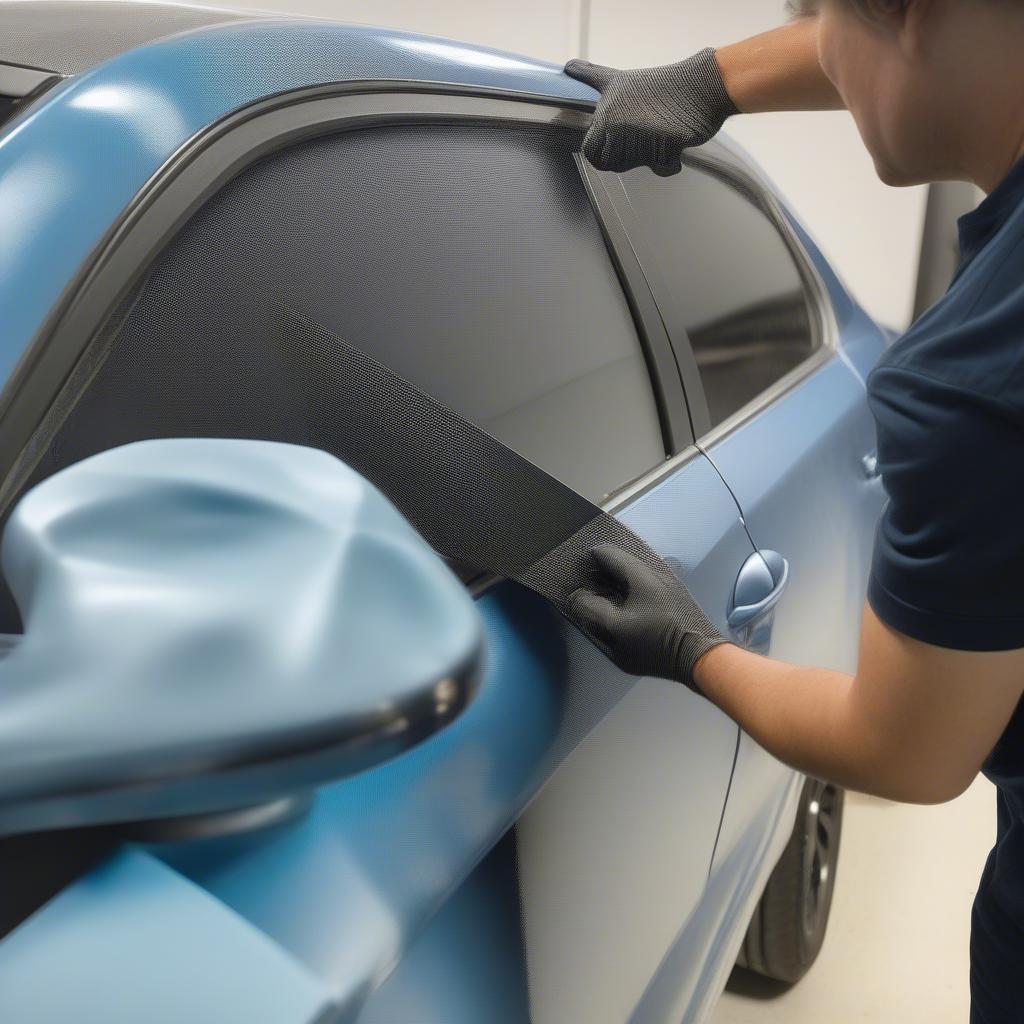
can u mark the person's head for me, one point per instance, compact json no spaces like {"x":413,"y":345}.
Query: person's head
{"x":936,"y":86}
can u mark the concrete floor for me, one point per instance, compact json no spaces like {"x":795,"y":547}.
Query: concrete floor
{"x":897,"y":945}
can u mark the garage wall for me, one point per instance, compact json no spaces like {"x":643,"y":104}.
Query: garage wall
{"x":872,"y":233}
{"x":549,"y":29}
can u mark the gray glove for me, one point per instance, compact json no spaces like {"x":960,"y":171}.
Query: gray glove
{"x":647,"y":622}
{"x":647,"y":117}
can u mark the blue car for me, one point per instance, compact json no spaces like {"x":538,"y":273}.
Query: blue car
{"x":265,"y":756}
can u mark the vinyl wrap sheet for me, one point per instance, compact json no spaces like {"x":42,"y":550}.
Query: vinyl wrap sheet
{"x":476,"y":501}
{"x":480,"y":505}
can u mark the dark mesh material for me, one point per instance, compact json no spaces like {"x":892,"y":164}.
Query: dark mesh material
{"x":649,"y":117}
{"x":467,"y":259}
{"x":252,"y":325}
{"x":72,"y":37}
{"x":261,"y":369}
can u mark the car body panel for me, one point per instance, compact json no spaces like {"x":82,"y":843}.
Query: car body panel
{"x":797,"y":461}
{"x":134,"y":941}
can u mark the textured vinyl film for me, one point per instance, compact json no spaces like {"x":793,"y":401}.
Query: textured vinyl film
{"x":72,"y":37}
{"x":467,"y":259}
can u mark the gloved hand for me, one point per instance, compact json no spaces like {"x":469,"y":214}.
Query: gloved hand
{"x":647,"y":623}
{"x":647,"y":117}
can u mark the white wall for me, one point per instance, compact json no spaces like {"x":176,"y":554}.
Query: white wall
{"x":549,"y":29}
{"x":871,"y":233}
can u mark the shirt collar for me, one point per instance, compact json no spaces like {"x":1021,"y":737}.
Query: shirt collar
{"x":978,"y":227}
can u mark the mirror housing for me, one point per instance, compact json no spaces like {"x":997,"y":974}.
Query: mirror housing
{"x":213,"y":625}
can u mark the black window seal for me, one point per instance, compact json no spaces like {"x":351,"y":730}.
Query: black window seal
{"x":19,"y":81}
{"x":715,"y":160}
{"x":666,"y":375}
{"x":23,"y":86}
{"x":206,"y":163}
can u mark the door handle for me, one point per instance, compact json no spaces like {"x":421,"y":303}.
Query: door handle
{"x":759,"y":587}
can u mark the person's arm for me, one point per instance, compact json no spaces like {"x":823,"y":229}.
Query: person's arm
{"x":778,"y":70}
{"x":915,"y":724}
{"x":649,"y":116}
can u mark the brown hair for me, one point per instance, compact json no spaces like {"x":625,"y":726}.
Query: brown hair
{"x":806,"y":8}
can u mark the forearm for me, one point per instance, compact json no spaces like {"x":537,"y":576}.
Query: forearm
{"x":811,"y":720}
{"x":912,"y":725}
{"x":778,"y":70}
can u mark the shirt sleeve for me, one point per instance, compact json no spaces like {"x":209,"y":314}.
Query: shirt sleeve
{"x":948,"y":566}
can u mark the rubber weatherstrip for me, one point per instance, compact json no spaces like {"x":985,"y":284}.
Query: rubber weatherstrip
{"x":476,"y":501}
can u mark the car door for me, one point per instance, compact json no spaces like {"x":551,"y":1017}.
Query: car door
{"x":772,"y":352}
{"x":452,"y":238}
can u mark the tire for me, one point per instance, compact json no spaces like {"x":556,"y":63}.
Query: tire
{"x":788,"y":927}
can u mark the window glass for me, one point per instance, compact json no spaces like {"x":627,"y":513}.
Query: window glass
{"x":467,"y":258}
{"x":734,"y":287}
{"x":8,"y":104}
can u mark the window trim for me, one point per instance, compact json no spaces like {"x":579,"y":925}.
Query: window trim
{"x":21,"y":87}
{"x":222,"y":151}
{"x":716,"y":160}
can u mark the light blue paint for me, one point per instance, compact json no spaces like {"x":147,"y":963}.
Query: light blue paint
{"x":75,"y":163}
{"x":133,"y":941}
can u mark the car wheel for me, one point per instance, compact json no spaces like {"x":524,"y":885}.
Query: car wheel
{"x":788,"y":926}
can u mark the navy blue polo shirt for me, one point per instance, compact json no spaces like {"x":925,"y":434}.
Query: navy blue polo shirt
{"x":948,"y":569}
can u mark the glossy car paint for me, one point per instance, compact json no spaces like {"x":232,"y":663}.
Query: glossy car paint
{"x":134,"y":941}
{"x":345,"y":891}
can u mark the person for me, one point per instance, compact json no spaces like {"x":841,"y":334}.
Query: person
{"x":936,"y":88}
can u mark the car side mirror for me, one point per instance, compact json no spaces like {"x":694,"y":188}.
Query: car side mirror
{"x":216,"y":625}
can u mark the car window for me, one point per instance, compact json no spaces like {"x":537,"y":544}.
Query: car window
{"x":467,"y":258}
{"x":734,"y":285}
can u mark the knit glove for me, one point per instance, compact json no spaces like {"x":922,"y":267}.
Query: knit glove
{"x":647,"y":117}
{"x":647,"y":622}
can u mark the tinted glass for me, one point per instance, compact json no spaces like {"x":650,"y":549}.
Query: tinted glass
{"x":467,"y":258}
{"x":734,"y":285}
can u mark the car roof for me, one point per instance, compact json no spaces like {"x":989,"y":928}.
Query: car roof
{"x":70,"y":37}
